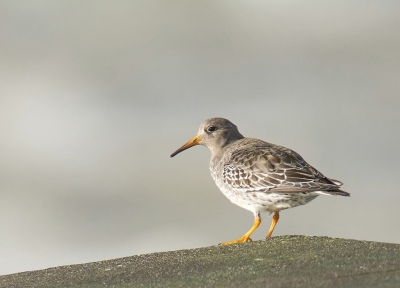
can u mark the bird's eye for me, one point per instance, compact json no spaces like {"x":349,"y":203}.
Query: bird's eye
{"x":211,"y":129}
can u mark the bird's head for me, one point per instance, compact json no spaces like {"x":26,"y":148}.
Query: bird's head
{"x":213,"y":133}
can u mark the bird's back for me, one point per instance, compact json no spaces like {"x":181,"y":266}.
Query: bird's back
{"x":252,"y":165}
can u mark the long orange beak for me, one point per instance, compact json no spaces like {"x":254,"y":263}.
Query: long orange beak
{"x":192,"y":142}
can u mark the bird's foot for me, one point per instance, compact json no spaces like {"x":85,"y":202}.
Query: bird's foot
{"x":242,"y":239}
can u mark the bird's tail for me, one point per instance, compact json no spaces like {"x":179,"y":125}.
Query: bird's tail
{"x":334,"y":181}
{"x":335,"y":193}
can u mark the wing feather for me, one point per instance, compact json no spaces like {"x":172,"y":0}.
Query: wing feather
{"x":274,"y":169}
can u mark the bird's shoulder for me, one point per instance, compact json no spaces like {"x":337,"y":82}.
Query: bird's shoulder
{"x":249,"y":152}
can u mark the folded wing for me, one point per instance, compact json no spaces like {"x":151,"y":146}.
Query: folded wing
{"x":275,"y":169}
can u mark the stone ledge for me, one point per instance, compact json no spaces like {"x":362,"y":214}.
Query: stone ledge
{"x":283,"y":261}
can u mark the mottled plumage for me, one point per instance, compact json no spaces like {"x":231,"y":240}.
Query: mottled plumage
{"x":257,"y":175}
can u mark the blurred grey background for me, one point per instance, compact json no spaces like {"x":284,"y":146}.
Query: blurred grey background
{"x":95,"y":96}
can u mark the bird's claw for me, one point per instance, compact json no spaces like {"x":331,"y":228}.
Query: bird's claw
{"x":242,"y":239}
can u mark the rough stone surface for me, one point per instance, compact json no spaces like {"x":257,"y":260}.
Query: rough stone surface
{"x":285,"y":261}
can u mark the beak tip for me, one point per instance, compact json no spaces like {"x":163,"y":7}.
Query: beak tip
{"x":192,"y":142}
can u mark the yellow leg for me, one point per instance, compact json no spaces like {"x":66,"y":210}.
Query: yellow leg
{"x":275,"y":219}
{"x":245,"y":237}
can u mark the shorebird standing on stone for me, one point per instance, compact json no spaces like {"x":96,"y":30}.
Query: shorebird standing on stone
{"x":257,"y":175}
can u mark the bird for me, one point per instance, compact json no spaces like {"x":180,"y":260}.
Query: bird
{"x":259,"y":176}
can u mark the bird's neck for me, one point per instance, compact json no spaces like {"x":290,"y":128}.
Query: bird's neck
{"x":216,"y":156}
{"x":218,"y":152}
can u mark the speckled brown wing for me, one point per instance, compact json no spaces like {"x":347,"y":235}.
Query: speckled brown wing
{"x":274,"y":169}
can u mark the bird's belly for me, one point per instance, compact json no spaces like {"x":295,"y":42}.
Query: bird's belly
{"x":267,"y":202}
